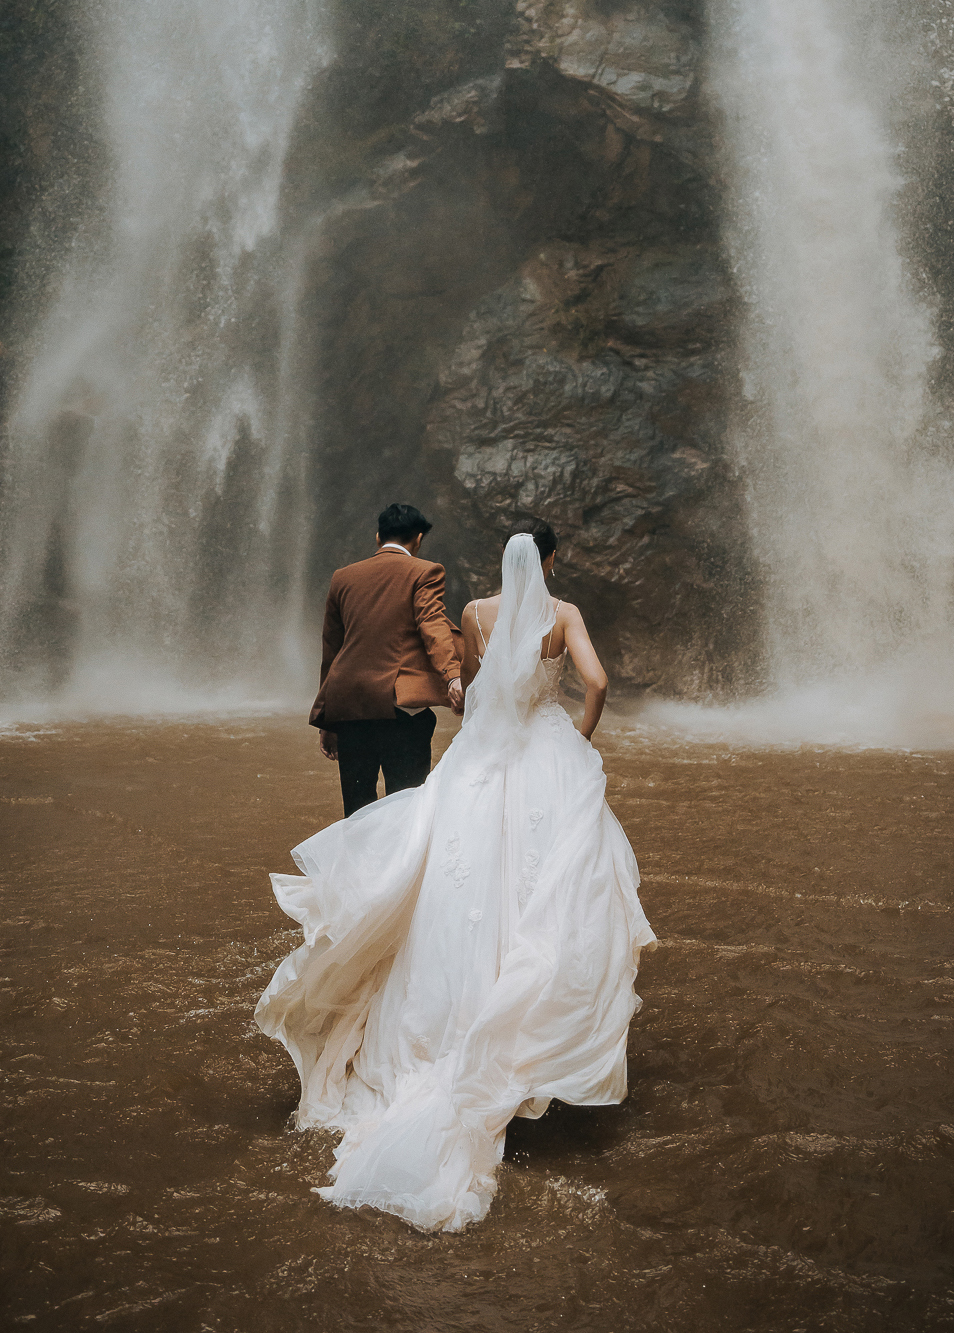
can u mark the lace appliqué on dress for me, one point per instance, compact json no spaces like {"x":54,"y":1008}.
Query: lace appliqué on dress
{"x":535,"y":816}
{"x":554,"y":713}
{"x":455,"y":866}
{"x":473,"y":917}
{"x":548,"y":705}
{"x":528,"y":877}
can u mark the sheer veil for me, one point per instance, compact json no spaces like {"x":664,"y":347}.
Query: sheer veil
{"x":511,"y":673}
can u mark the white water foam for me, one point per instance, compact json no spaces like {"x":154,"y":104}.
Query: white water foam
{"x":905,"y":706}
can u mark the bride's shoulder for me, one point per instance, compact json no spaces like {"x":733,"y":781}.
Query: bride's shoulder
{"x":570,"y":619}
{"x":481,"y":602}
{"x":470,"y":614}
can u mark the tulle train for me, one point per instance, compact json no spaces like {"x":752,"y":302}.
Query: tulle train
{"x":469,"y":952}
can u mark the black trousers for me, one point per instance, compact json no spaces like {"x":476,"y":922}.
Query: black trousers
{"x":398,"y":746}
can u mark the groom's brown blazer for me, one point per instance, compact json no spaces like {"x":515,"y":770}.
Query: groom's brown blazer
{"x":387,"y":640}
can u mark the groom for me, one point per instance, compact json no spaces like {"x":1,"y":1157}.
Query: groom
{"x":388,"y":656}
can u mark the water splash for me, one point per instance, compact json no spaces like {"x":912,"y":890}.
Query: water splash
{"x":902,"y":706}
{"x":851,"y":512}
{"x":154,"y":519}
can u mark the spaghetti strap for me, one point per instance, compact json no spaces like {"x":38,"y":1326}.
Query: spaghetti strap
{"x":477,"y":618}
{"x":552,"y":627}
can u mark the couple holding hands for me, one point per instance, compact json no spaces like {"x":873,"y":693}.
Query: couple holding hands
{"x":470,"y":941}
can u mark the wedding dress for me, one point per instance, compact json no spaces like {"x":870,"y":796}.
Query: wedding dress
{"x":470,"y":945}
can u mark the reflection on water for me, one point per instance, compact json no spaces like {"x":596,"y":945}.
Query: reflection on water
{"x":783,"y":1162}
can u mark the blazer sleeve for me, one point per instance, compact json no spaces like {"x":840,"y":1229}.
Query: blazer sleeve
{"x":332,"y":637}
{"x":332,"y":634}
{"x":433,"y":624}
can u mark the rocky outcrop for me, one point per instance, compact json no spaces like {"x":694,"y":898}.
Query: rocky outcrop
{"x":502,"y":220}
{"x":618,"y":448}
{"x":644,"y":54}
{"x":522,"y":309}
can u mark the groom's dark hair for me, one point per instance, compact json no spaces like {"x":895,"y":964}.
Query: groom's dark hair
{"x":543,"y":535}
{"x":401,"y":523}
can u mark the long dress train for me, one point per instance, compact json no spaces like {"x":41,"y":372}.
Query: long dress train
{"x":469,"y":952}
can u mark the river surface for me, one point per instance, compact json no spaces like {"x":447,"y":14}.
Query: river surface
{"x":784,"y":1161}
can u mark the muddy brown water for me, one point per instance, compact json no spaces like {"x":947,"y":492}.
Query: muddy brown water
{"x":785,"y":1158}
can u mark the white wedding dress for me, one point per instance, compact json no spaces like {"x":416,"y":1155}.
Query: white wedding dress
{"x":470,"y":945}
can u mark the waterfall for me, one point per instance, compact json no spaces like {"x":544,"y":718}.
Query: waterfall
{"x":851,"y":504}
{"x":154,"y":515}
{"x":155,"y":504}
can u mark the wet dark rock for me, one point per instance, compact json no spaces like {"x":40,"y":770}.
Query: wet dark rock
{"x":511,"y":298}
{"x":521,"y":308}
{"x":619,"y":448}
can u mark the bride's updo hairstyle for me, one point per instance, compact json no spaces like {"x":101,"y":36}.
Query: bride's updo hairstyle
{"x":544,"y":538}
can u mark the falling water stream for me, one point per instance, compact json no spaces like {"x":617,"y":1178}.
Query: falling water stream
{"x":850,"y":498}
{"x":836,"y":351}
{"x":155,"y":490}
{"x":158,"y":482}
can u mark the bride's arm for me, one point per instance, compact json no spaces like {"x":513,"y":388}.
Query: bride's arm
{"x":471,"y":663}
{"x":588,"y":665}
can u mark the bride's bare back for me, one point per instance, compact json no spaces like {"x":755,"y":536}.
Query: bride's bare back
{"x":569,"y":635}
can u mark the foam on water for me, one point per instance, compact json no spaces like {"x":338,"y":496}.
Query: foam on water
{"x":906,"y":705}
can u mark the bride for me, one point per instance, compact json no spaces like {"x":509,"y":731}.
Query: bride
{"x":471,"y":944}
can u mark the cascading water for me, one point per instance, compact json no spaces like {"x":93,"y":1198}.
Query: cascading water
{"x":153,"y":521}
{"x":851,"y":510}
{"x":155,"y":491}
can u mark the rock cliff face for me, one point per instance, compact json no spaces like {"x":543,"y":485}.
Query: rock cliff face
{"x":511,"y":299}
{"x":520,"y":307}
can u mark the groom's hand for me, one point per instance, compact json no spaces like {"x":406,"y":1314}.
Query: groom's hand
{"x":456,"y":693}
{"x":328,"y":742}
